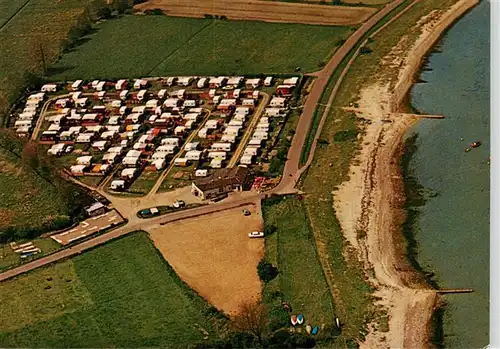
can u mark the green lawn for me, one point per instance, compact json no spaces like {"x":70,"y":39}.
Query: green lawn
{"x":145,"y":182}
{"x":197,"y":46}
{"x":292,"y":249}
{"x":122,"y":294}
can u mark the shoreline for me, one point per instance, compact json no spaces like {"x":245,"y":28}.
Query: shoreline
{"x":373,"y":199}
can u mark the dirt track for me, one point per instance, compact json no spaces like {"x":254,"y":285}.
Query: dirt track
{"x":211,"y":252}
{"x":268,"y":11}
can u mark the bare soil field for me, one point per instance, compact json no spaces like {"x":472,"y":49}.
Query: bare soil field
{"x":267,"y":11}
{"x":214,"y":255}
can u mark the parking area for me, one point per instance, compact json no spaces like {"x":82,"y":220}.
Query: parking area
{"x":89,"y":227}
{"x":181,"y":127}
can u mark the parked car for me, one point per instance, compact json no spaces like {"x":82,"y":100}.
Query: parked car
{"x":179,"y":204}
{"x":150,"y":212}
{"x":256,"y":234}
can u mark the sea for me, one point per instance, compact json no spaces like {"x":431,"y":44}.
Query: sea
{"x":451,"y":228}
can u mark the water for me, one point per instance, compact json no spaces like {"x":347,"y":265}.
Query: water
{"x":452,"y":229}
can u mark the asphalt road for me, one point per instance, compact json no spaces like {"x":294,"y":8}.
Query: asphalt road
{"x":291,"y":172}
{"x":124,"y":230}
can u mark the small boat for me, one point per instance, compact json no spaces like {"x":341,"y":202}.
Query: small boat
{"x":315,"y":330}
{"x":337,"y":322}
{"x":467,"y":150}
{"x":293,"y":319}
{"x":475,"y":144}
{"x":300,"y":319}
{"x":308,"y":329}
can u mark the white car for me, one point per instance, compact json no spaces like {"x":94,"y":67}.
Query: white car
{"x":179,"y":204}
{"x":256,"y":234}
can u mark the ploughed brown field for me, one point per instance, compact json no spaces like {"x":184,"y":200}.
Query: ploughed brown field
{"x":267,"y":11}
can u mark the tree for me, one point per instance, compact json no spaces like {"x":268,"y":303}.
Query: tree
{"x":252,"y":318}
{"x":266,"y":271}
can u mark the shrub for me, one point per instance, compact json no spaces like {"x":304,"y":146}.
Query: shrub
{"x":266,"y":271}
{"x":278,"y":318}
{"x":365,"y":50}
{"x":342,"y":136}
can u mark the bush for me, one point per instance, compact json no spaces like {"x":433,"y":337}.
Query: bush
{"x":283,"y":339}
{"x":342,"y":136}
{"x":365,"y":50}
{"x":278,"y":318}
{"x":266,"y":271}
{"x":269,"y":229}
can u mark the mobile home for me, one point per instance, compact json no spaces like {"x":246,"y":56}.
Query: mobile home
{"x":49,"y":88}
{"x":121,"y":84}
{"x":217,"y":155}
{"x":246,"y":160}
{"x":193,"y":155}
{"x":291,"y":81}
{"x":250,"y":151}
{"x":192,"y":146}
{"x":202,"y":83}
{"x":182,"y":162}
{"x":259,"y":135}
{"x":124,"y":94}
{"x":216,"y":163}
{"x":140,"y":83}
{"x":184,"y":81}
{"x":162,"y":93}
{"x":170,"y":141}
{"x":76,"y":85}
{"x":228,"y":138}
{"x":117,"y":185}
{"x":253,"y":83}
{"x":141,"y":94}
{"x":279,"y":102}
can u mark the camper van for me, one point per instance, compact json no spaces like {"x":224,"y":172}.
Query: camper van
{"x":221,"y":146}
{"x":217,"y":155}
{"x":193,"y":155}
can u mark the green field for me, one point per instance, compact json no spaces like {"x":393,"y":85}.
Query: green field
{"x":122,"y":294}
{"x":292,"y":249}
{"x":29,"y":199}
{"x":40,"y":26}
{"x":8,"y":8}
{"x":160,"y":45}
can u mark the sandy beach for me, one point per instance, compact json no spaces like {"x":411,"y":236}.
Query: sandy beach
{"x":372,"y":199}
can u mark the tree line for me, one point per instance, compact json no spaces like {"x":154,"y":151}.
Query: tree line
{"x":33,"y":158}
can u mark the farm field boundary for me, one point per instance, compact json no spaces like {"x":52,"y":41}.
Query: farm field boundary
{"x":267,"y":11}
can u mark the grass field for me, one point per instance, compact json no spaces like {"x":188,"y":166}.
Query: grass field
{"x":8,"y":8}
{"x":197,"y":46}
{"x":352,"y":298}
{"x":292,"y":249}
{"x":39,"y":24}
{"x":26,"y":199}
{"x":122,"y":294}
